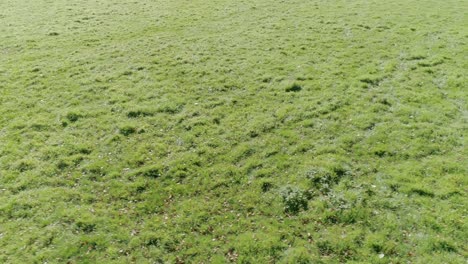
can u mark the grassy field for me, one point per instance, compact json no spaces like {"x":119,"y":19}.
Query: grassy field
{"x":176,"y":131}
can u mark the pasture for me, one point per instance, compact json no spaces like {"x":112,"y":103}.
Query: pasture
{"x":176,"y":131}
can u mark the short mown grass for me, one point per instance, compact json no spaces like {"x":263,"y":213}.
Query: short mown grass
{"x":233,"y":131}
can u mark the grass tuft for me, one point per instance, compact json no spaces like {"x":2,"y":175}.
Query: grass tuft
{"x":293,"y":88}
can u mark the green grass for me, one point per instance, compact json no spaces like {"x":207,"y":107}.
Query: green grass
{"x":233,"y":131}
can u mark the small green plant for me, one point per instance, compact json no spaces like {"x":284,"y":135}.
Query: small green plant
{"x":266,"y":186}
{"x":293,"y":88}
{"x":127,"y":130}
{"x":321,"y":179}
{"x":73,"y":117}
{"x":294,"y":199}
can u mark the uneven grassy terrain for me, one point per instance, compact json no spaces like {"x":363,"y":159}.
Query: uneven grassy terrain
{"x":233,"y":131}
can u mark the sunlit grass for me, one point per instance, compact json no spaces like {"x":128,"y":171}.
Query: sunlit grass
{"x":233,"y":131}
